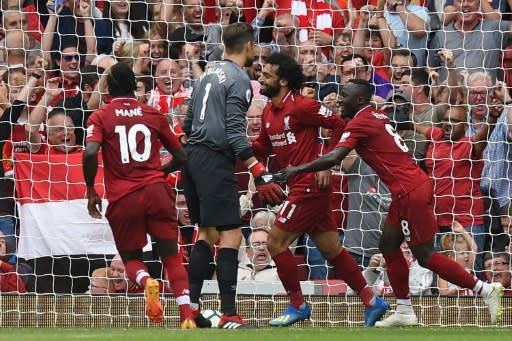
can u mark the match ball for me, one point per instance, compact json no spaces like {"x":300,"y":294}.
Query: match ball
{"x":213,"y":316}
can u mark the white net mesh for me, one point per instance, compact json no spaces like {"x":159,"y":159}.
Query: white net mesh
{"x":426,"y":61}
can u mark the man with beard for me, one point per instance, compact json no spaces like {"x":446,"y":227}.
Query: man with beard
{"x":411,"y":216}
{"x":290,"y":126}
{"x":216,"y":129}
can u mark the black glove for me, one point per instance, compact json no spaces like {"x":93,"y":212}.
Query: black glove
{"x":268,"y":189}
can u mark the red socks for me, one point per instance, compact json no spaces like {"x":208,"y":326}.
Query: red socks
{"x":179,"y":284}
{"x":136,"y":271}
{"x":350,"y":273}
{"x":451,"y":271}
{"x":287,"y":271}
{"x":398,"y":273}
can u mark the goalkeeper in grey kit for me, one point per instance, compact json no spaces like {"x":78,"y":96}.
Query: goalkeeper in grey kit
{"x":215,"y":126}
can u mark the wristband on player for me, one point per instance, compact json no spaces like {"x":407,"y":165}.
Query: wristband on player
{"x":257,"y":168}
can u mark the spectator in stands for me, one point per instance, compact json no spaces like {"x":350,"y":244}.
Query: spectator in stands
{"x":497,"y":269}
{"x":476,"y":42}
{"x":460,"y":246}
{"x":128,"y":19}
{"x":121,"y":282}
{"x":9,"y":279}
{"x":410,"y":24}
{"x":195,"y":28}
{"x":480,"y":95}
{"x":158,"y":47}
{"x":169,"y":92}
{"x":402,"y":60}
{"x":368,"y":204}
{"x":144,"y":87}
{"x":496,"y":182}
{"x":416,"y":85}
{"x":420,"y":278}
{"x":375,"y":37}
{"x":342,"y":47}
{"x":285,"y":33}
{"x":15,"y":49}
{"x":60,"y":129}
{"x":101,"y":282}
{"x":356,"y":67}
{"x":136,"y":55}
{"x":258,"y":265}
{"x":77,"y":106}
{"x":261,"y":53}
{"x":454,"y":163}
{"x":93,"y":34}
{"x":66,"y":65}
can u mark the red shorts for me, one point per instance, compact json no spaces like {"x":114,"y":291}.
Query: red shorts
{"x":414,"y":214}
{"x":306,"y":212}
{"x":150,"y":209}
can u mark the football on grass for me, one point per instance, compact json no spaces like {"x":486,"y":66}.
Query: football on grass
{"x":213,"y":316}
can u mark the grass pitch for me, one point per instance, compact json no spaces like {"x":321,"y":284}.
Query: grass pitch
{"x":266,"y":334}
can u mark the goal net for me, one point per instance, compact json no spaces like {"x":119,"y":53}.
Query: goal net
{"x":435,"y":64}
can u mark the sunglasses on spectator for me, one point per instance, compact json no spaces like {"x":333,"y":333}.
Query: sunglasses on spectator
{"x":70,"y":57}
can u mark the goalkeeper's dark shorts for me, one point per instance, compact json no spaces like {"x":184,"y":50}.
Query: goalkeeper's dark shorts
{"x":211,"y":189}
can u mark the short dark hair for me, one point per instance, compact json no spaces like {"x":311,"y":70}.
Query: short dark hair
{"x":121,"y":81}
{"x":288,"y":69}
{"x":405,"y":53}
{"x":90,"y":74}
{"x":55,"y":112}
{"x":420,"y":77}
{"x":146,"y":80}
{"x":365,"y":88}
{"x":236,"y":35}
{"x":355,"y":56}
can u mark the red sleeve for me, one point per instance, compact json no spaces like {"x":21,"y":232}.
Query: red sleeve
{"x":9,"y":280}
{"x":95,"y":128}
{"x":434,"y":134}
{"x":355,"y":131}
{"x":311,"y":116}
{"x":169,"y":140}
{"x":251,"y":10}
{"x":210,"y":13}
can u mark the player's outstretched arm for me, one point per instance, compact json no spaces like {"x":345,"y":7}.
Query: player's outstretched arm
{"x":327,"y":161}
{"x":90,"y":168}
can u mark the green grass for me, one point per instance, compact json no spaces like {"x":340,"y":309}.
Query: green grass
{"x":263,"y":334}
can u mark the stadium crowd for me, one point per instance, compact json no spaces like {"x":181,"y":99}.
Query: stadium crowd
{"x":422,"y":58}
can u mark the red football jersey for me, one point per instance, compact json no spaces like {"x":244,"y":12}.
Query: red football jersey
{"x":129,"y":133}
{"x":290,"y":131}
{"x":375,"y":140}
{"x":456,"y":174}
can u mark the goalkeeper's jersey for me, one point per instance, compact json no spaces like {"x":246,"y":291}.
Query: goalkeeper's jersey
{"x":216,"y":116}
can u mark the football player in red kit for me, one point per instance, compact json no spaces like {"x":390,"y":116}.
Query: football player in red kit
{"x":290,"y":124}
{"x":140,"y":201}
{"x":411,"y":217}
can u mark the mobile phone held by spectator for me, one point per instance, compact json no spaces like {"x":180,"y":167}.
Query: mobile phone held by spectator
{"x":55,"y":5}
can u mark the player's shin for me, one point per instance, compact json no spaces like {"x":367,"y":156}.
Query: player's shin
{"x":227,"y":270}
{"x":398,"y":273}
{"x":287,"y":271}
{"x":177,"y":276}
{"x":351,"y":274}
{"x":200,"y":268}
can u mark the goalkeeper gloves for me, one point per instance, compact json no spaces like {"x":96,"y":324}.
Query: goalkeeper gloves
{"x":267,"y":185}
